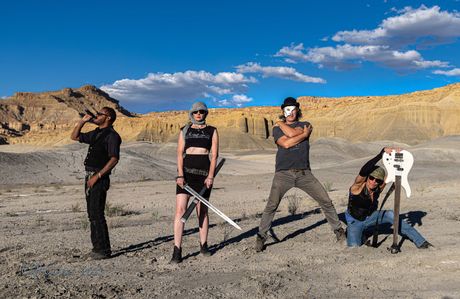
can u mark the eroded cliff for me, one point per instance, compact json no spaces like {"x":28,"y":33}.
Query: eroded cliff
{"x":47,"y":118}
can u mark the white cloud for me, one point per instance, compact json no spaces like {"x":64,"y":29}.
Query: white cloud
{"x":292,"y":53}
{"x":422,"y":26}
{"x":452,"y":72}
{"x":283,"y":72}
{"x":349,"y":56}
{"x":178,"y":90}
{"x":395,"y":43}
{"x":237,"y":100}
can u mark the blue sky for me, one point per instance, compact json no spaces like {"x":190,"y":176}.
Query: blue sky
{"x":164,"y":55}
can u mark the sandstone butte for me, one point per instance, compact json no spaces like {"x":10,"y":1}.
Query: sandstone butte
{"x":46,"y":119}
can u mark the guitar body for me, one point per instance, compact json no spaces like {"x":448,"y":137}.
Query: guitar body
{"x":398,"y":164}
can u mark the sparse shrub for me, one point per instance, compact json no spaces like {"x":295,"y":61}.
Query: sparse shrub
{"x":113,"y":210}
{"x":422,"y":189}
{"x":155,"y":215}
{"x":453,"y":217}
{"x":11,"y":214}
{"x":84,"y":223}
{"x":328,"y":186}
{"x":76,"y":208}
{"x":114,"y":223}
{"x":293,"y":204}
{"x":226,"y":231}
{"x":117,"y":210}
{"x":39,"y":220}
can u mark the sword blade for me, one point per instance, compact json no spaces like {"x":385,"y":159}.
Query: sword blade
{"x":195,"y":201}
{"x":210,"y":206}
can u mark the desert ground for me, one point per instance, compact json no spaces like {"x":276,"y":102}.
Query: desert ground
{"x":45,"y":231}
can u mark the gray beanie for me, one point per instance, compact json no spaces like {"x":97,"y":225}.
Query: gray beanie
{"x":195,"y":107}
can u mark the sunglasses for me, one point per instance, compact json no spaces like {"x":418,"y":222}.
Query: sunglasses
{"x":378,"y":181}
{"x":199,"y":111}
{"x":99,"y":114}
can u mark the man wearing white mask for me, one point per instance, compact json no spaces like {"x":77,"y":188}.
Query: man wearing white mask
{"x":293,"y":170}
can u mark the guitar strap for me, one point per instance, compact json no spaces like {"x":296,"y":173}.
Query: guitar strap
{"x":375,"y":235}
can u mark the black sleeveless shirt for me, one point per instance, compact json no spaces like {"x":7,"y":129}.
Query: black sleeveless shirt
{"x":361,"y":206}
{"x":199,"y":137}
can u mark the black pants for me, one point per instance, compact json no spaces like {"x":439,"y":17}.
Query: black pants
{"x":95,"y":205}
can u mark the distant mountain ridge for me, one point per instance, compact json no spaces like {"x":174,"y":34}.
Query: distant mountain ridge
{"x":47,"y":118}
{"x":26,"y":113}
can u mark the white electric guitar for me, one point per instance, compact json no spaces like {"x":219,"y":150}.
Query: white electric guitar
{"x":398,"y":164}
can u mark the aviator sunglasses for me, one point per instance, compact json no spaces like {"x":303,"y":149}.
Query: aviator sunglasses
{"x":379,"y":181}
{"x":199,"y":111}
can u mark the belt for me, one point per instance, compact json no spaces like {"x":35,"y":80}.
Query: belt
{"x":196,"y":171}
{"x":298,"y":171}
{"x":90,"y":172}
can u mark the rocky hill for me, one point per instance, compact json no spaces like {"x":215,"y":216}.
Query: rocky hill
{"x":47,"y":118}
{"x":26,"y":116}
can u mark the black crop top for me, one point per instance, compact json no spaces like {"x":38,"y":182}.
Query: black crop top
{"x":199,"y":137}
{"x":361,"y":206}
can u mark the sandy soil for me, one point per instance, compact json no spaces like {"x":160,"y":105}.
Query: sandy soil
{"x":44,"y":229}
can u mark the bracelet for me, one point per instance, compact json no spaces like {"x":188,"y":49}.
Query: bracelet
{"x":179,"y":177}
{"x":99,"y":174}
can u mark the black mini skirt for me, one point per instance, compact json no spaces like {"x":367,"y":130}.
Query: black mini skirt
{"x":196,"y":168}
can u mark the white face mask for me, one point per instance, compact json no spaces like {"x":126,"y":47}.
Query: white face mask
{"x":288,"y":110}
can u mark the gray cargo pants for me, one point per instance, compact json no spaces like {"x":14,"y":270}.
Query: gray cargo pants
{"x":304,"y":180}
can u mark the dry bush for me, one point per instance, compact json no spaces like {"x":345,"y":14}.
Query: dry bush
{"x":40,"y":219}
{"x":75,"y":208}
{"x":117,"y":210}
{"x":226,"y":231}
{"x":328,"y":186}
{"x":84,"y":223}
{"x":293,"y":204}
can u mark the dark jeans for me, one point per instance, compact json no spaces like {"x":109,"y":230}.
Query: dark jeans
{"x":95,"y":205}
{"x":305,"y":181}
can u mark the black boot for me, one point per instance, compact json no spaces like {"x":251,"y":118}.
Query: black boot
{"x":204,"y":250}
{"x":340,"y":235}
{"x":260,"y":241}
{"x":177,"y":255}
{"x":425,"y":245}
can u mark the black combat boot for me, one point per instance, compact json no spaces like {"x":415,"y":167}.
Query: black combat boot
{"x":177,"y":255}
{"x":340,"y":235}
{"x":425,"y":245}
{"x":204,"y":250}
{"x":260,"y":243}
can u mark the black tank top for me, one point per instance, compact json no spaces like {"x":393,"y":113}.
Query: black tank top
{"x":199,"y":137}
{"x":360,"y":206}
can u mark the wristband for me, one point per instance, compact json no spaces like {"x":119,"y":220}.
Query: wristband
{"x":179,"y":177}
